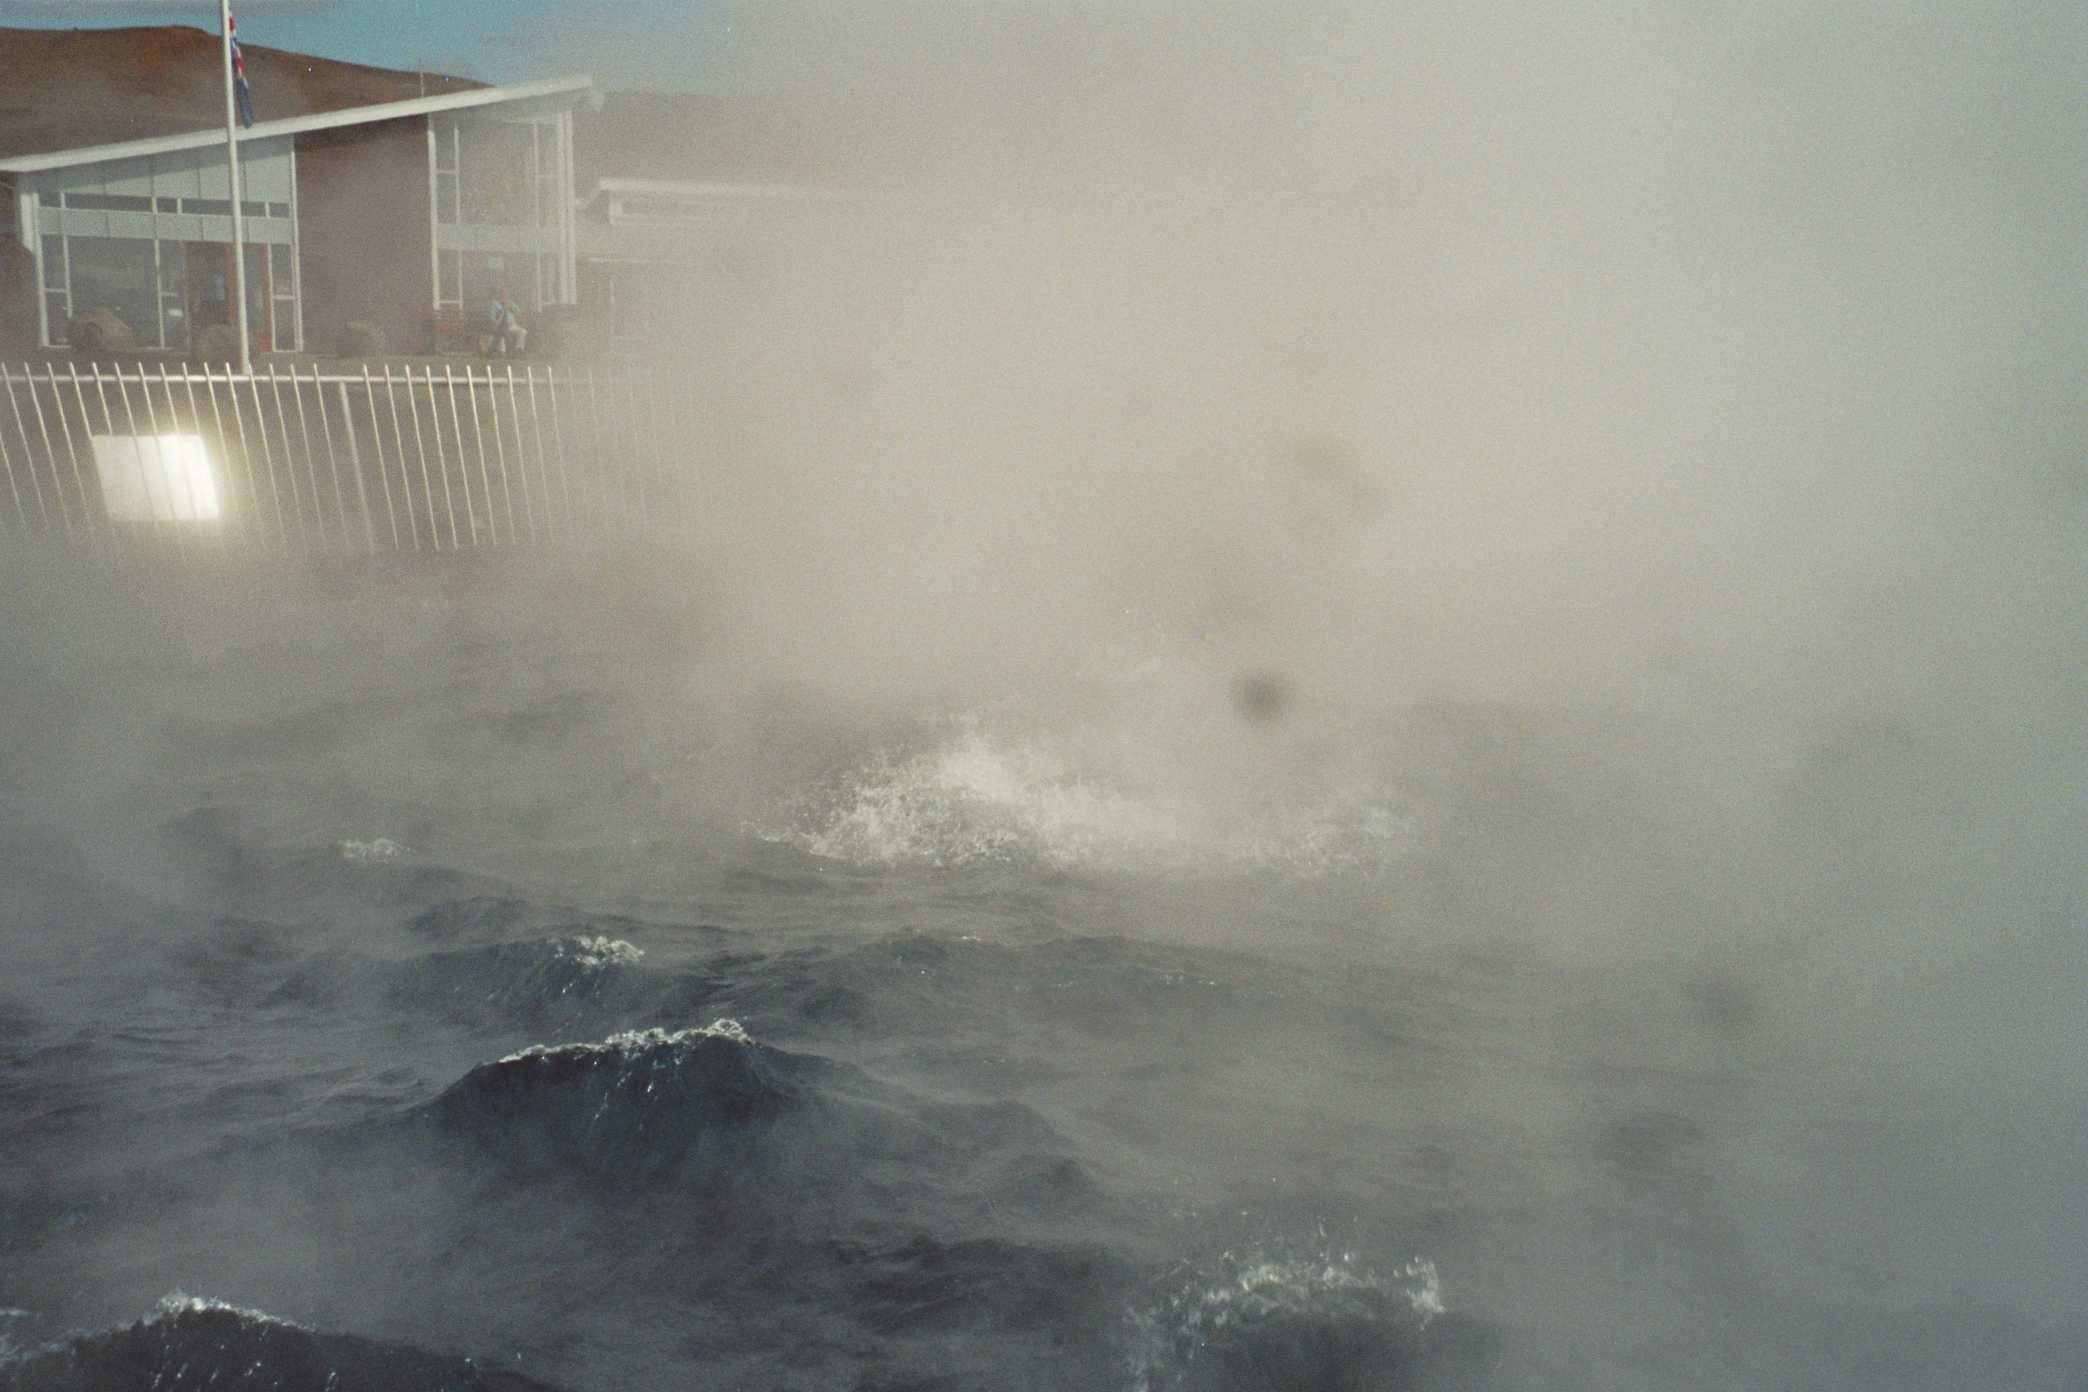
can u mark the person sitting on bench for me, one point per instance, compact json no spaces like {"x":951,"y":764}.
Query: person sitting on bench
{"x":509,"y":336}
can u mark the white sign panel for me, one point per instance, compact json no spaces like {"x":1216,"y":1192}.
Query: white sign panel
{"x":155,"y":478}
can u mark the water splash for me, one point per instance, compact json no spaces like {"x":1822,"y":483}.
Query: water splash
{"x":1236,"y":1320}
{"x":990,"y":791}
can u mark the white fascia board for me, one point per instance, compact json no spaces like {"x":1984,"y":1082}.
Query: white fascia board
{"x":673,"y":188}
{"x":670,"y":188}
{"x":297,"y":125}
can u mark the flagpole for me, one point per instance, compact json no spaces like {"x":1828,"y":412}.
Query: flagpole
{"x":246,"y":365}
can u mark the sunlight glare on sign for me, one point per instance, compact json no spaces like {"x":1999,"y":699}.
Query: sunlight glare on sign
{"x":155,"y":478}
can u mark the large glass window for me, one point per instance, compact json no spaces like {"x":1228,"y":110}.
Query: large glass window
{"x":119,"y":275}
{"x":57,"y":304}
{"x":497,"y":173}
{"x":485,"y":275}
{"x":283,"y":291}
{"x":449,"y":288}
{"x":173,"y":293}
{"x":445,"y":138}
{"x":549,"y":186}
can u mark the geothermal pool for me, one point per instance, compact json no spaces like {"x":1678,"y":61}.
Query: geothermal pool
{"x":400,"y":975}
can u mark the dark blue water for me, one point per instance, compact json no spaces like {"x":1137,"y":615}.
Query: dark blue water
{"x":416,"y":991}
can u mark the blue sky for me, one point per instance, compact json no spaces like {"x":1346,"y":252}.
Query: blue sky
{"x":660,"y":44}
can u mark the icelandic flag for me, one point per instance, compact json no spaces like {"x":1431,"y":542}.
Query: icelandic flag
{"x":242,"y":95}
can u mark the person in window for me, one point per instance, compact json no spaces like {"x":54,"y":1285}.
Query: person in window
{"x":509,"y":336}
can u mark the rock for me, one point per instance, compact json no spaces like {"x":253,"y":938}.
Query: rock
{"x":361,"y":339}
{"x":100,"y":331}
{"x":215,"y":343}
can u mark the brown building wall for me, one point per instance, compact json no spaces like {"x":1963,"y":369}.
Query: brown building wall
{"x":18,"y":294}
{"x":362,"y":212}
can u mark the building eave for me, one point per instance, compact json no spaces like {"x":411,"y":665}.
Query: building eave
{"x":298,"y":125}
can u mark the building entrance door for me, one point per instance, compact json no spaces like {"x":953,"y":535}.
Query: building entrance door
{"x":207,"y":281}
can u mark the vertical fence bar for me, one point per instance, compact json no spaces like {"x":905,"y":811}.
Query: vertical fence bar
{"x":419,"y":450}
{"x":246,"y":453}
{"x":667,"y":472}
{"x":565,"y":458}
{"x":130,"y":418}
{"x":58,"y":493}
{"x":217,"y":418}
{"x":333,"y":462}
{"x":391,"y":399}
{"x":28,"y":456}
{"x":72,"y":448}
{"x":159,"y":444}
{"x":228,"y":509}
{"x":599,"y":472}
{"x":152,"y":417}
{"x":420,"y":447}
{"x":536,"y":419}
{"x":188,"y":484}
{"x":108,"y":417}
{"x":627,"y":422}
{"x":500,"y":453}
{"x":311,"y":456}
{"x":72,"y":456}
{"x":613,"y":454}
{"x":362,"y":492}
{"x":282,"y":420}
{"x":521,"y":450}
{"x":449,"y":379}
{"x":36,"y":488}
{"x":478,"y":436}
{"x":682,"y":451}
{"x":507,"y":491}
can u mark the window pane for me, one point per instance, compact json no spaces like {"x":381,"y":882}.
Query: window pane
{"x":257,"y":289}
{"x":498,"y":174}
{"x":282,"y":286}
{"x":109,"y":202}
{"x":172,"y":263}
{"x":117,"y":275}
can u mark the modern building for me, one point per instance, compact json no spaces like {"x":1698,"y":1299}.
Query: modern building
{"x":679,"y":193}
{"x":388,"y":214}
{"x":399,"y":200}
{"x":394,"y":213}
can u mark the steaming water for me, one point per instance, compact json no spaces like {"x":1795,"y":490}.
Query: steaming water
{"x":401,"y":989}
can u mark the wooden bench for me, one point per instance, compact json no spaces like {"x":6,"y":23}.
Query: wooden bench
{"x":454,"y":333}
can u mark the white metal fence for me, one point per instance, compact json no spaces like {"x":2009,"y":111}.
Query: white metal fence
{"x":290,"y":460}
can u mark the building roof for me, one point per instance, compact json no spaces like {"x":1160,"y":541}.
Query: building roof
{"x":693,"y":137}
{"x":323,"y":120}
{"x":67,"y":88}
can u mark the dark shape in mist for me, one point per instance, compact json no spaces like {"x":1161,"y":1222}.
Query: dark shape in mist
{"x":192,"y":1346}
{"x":1260,"y":696}
{"x":1358,"y":1349}
{"x":1330,"y":464}
{"x":1728,"y":1000}
{"x":926,"y":1284}
{"x":1649,"y":1145}
{"x":481,"y":916}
